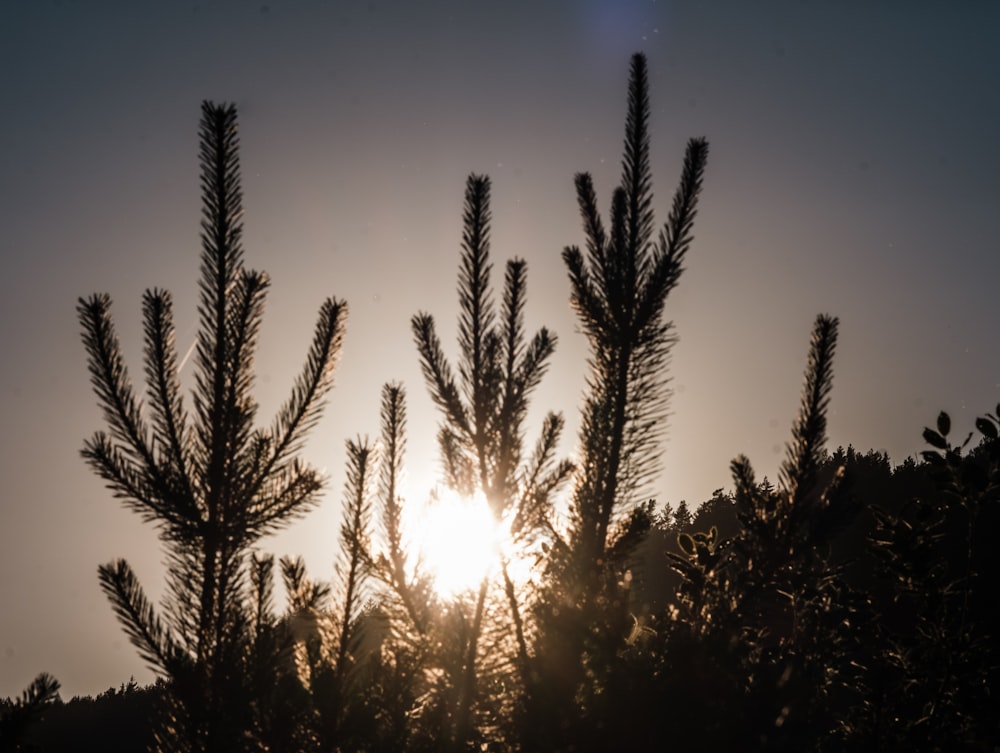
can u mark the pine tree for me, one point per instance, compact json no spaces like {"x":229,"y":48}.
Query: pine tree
{"x":682,"y":518}
{"x":211,"y":482}
{"x":481,"y":437}
{"x":619,"y":287}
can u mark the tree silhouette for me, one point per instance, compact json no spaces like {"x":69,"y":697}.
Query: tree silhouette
{"x":115,"y":721}
{"x":481,"y":437}
{"x":619,"y":285}
{"x":682,"y":517}
{"x":211,"y":482}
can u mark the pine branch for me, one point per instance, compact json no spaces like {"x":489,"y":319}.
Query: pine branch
{"x":459,"y":467}
{"x":804,"y":454}
{"x":480,"y":347}
{"x":616,"y":278}
{"x":182,"y":603}
{"x":677,"y":233}
{"x":262,"y":594}
{"x":299,"y":415}
{"x":304,"y":596}
{"x":242,"y":331}
{"x":225,"y":474}
{"x":515,"y":283}
{"x":552,"y":481}
{"x":540,"y":478}
{"x":637,"y":182}
{"x":627,"y":535}
{"x":475,"y":304}
{"x":43,"y":689}
{"x":288,"y":494}
{"x":170,"y":419}
{"x":293,"y":575}
{"x":109,"y":377}
{"x":523,"y":661}
{"x":137,"y":615}
{"x":437,"y":372}
{"x":545,"y":449}
{"x":593,"y":228}
{"x":534,"y":364}
{"x":130,"y":484}
{"x":221,"y":264}
{"x":676,"y":236}
{"x":583,"y":297}
{"x":393,"y":419}
{"x":524,"y":367}
{"x":354,"y":537}
{"x":392,"y":567}
{"x":646,"y":407}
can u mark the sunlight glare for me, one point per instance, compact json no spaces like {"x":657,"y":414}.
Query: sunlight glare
{"x":459,"y":541}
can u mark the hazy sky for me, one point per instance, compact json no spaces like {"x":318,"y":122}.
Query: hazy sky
{"x":853,"y":170}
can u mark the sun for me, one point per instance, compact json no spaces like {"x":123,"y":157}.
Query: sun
{"x":459,"y":541}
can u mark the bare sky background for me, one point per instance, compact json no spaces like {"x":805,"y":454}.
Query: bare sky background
{"x":853,"y":170}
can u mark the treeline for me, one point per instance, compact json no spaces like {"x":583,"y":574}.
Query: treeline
{"x":115,"y":721}
{"x":845,"y":606}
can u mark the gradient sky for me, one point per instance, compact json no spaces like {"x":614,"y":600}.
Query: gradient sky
{"x":853,"y":170}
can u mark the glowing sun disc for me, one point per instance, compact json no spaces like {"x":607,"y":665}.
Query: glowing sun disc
{"x":459,"y":541}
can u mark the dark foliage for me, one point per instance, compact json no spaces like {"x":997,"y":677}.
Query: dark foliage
{"x":115,"y":721}
{"x":19,"y":715}
{"x":937,"y":664}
